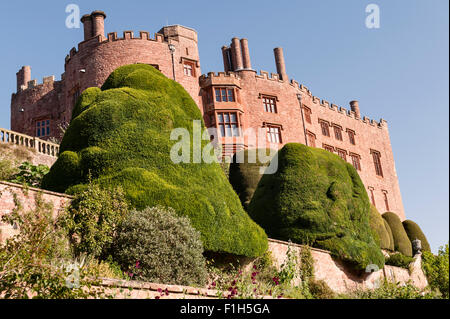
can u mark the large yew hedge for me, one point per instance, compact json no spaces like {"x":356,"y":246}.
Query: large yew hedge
{"x":120,"y":135}
{"x":414,"y":232}
{"x":316,"y":198}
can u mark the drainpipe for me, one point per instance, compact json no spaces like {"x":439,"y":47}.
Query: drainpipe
{"x":299,"y":97}
{"x":172,"y":51}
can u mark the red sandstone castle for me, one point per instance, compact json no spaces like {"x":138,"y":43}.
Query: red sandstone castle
{"x":230,"y":101}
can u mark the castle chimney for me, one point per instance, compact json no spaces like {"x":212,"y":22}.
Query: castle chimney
{"x":281,"y":66}
{"x":246,"y":54}
{"x":236,"y":54}
{"x":98,"y":23}
{"x":226,"y":61}
{"x":354,"y":106}
{"x":23,"y":76}
{"x":87,"y":26}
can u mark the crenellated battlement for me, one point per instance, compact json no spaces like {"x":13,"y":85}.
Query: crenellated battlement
{"x":46,"y":81}
{"x":266,"y":76}
{"x":345,"y":112}
{"x":112,"y":37}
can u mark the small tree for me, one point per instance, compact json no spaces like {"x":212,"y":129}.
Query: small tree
{"x":93,"y":218}
{"x":30,"y":174}
{"x":156,"y":245}
{"x":436,"y":268}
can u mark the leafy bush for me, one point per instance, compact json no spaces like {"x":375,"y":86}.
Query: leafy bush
{"x":436,"y":267}
{"x":317,"y":198}
{"x":390,"y":290}
{"x":402,"y":243}
{"x":319,"y":289}
{"x":245,"y":176}
{"x":399,"y":260}
{"x":121,"y":135}
{"x":92,"y":219}
{"x":7,"y":169}
{"x":33,"y":263}
{"x":414,"y":232}
{"x":379,"y":231}
{"x":158,"y":246}
{"x":30,"y":174}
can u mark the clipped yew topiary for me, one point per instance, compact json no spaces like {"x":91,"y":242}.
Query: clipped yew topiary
{"x":120,"y":135}
{"x":245,"y":173}
{"x":414,"y":232}
{"x":316,"y":198}
{"x":391,"y":237}
{"x":380,"y":233}
{"x":402,"y":243}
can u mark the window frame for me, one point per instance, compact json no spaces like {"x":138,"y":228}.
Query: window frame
{"x":351,"y":136}
{"x":270,"y":134}
{"x":386,"y":200}
{"x":228,"y":124}
{"x":270,"y":107}
{"x":325,"y":127}
{"x":43,"y":128}
{"x":337,"y":132}
{"x":310,"y":135}
{"x":340,"y":151}
{"x":224,"y":98}
{"x":357,"y":161}
{"x":307,"y":112}
{"x":328,"y":148}
{"x":376,"y":156}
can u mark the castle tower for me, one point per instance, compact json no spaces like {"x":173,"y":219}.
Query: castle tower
{"x":23,"y":77}
{"x":354,"y":106}
{"x":94,"y":24}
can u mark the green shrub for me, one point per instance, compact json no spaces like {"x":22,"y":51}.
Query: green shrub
{"x":379,"y":231}
{"x":158,"y":246}
{"x":317,"y":198}
{"x":402,"y":243}
{"x":30,"y":174}
{"x":319,"y":289}
{"x":34,"y":262}
{"x":390,"y":290}
{"x":7,"y":169}
{"x":414,"y":232}
{"x":120,"y":134}
{"x":399,"y":260}
{"x":245,"y":176}
{"x":92,"y":219}
{"x":391,"y":237}
{"x":436,"y":267}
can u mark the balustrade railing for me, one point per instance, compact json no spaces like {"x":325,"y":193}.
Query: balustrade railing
{"x":41,"y":146}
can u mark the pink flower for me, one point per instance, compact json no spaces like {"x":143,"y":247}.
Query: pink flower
{"x":138,"y":264}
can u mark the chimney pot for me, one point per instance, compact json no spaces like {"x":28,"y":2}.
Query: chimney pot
{"x":281,"y":65}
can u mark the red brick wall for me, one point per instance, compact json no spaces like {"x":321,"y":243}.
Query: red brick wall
{"x":27,"y":199}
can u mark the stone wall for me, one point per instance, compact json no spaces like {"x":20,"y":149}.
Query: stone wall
{"x":27,"y":198}
{"x":341,"y":278}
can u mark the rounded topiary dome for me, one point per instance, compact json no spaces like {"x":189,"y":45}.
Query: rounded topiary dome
{"x":120,"y":135}
{"x":316,"y":198}
{"x":378,"y":226}
{"x":414,"y":232}
{"x":402,"y":243}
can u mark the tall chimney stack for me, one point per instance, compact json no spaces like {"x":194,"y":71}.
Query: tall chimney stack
{"x":98,"y":23}
{"x":226,"y":61}
{"x":354,"y":106}
{"x":236,"y":54}
{"x":246,"y":54}
{"x":87,"y":26}
{"x":281,"y":66}
{"x":23,"y":77}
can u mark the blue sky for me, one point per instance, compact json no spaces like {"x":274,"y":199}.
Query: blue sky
{"x":398,"y":72}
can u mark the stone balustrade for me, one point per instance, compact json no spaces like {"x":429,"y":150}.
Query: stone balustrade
{"x":41,"y":146}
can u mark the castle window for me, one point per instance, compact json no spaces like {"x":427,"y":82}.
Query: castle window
{"x":311,"y":138}
{"x":325,"y":126}
{"x":342,"y":154}
{"x":189,"y":69}
{"x":43,"y":128}
{"x":351,"y":136}
{"x":224,"y":94}
{"x":228,"y":124}
{"x":307,"y":113}
{"x":274,"y":134}
{"x":377,"y":162}
{"x":372,"y":196}
{"x":270,"y":104}
{"x":356,"y":161}
{"x":386,"y":202}
{"x":337,"y":132}
{"x":328,"y":148}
